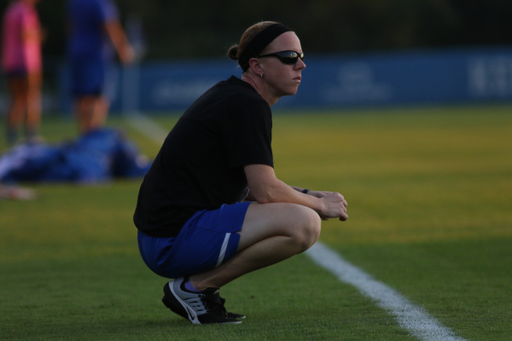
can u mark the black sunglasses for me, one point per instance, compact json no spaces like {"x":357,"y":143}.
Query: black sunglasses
{"x":286,"y":57}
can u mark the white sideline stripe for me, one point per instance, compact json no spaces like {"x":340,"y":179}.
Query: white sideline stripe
{"x":410,"y":317}
{"x":147,"y":127}
{"x":223,"y":249}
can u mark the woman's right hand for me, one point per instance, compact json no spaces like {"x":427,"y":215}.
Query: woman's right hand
{"x":334,"y":206}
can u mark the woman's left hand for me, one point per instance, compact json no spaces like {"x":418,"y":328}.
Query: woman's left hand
{"x":318,"y":194}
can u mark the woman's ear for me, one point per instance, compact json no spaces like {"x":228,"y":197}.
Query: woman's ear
{"x":255,"y":66}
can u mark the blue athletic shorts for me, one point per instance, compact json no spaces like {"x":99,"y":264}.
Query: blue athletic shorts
{"x":206,"y":240}
{"x":90,"y":77}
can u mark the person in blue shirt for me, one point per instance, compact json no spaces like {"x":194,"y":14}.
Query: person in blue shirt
{"x":94,"y":33}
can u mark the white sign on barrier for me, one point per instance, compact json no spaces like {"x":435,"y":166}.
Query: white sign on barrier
{"x":356,"y":83}
{"x":490,"y":77}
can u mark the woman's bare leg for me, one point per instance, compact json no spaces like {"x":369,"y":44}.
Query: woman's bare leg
{"x":34,"y":105}
{"x":18,"y":92}
{"x":270,"y":234}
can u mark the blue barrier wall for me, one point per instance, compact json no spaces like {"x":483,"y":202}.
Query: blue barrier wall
{"x":429,"y":77}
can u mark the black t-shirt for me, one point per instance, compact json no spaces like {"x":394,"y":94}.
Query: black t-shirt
{"x":200,"y":165}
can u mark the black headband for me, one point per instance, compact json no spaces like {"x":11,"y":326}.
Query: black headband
{"x":258,"y":43}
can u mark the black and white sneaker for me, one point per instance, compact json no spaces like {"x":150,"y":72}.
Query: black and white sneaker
{"x":177,"y":308}
{"x":199,"y":308}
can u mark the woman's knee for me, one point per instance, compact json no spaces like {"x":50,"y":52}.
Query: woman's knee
{"x":300,"y":223}
{"x":306,"y":227}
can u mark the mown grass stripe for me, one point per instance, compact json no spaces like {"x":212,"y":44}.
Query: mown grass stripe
{"x":147,"y":127}
{"x":410,"y":317}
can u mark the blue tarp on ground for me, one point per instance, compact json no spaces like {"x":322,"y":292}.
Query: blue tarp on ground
{"x":98,"y":156}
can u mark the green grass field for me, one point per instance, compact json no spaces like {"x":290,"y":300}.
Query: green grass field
{"x":429,"y":192}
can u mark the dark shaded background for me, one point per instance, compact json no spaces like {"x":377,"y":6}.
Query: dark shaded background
{"x":205,"y":28}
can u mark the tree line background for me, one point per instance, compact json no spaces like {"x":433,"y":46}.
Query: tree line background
{"x":206,"y":28}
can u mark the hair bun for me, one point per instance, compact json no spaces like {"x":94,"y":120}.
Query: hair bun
{"x":233,"y":52}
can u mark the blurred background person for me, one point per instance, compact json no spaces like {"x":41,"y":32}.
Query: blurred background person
{"x":22,"y":66}
{"x":94,"y":29}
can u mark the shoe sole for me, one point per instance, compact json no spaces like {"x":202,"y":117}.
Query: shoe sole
{"x":191,"y":314}
{"x":170,"y":302}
